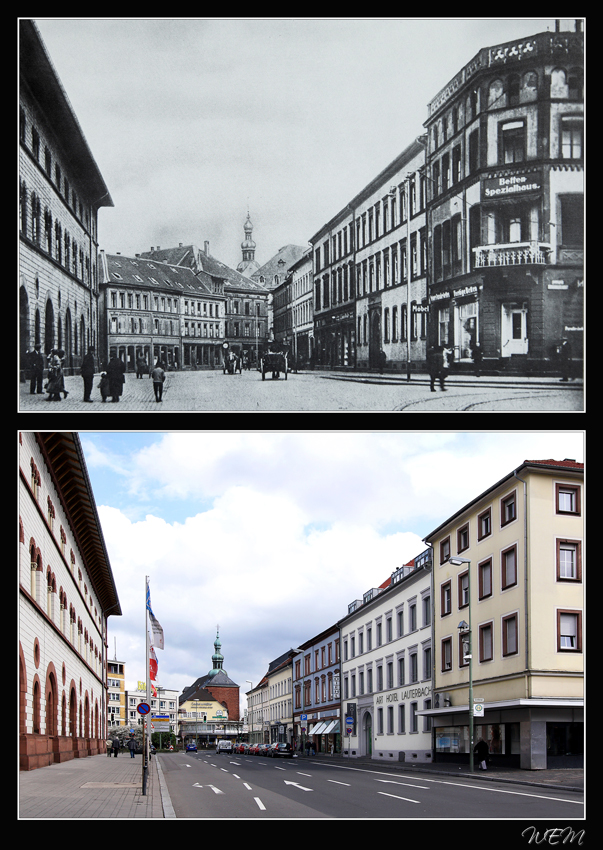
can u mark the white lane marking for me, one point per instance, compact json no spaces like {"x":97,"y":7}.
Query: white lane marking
{"x":335,"y":782}
{"x":397,"y":798}
{"x":392,"y":782}
{"x":247,"y":786}
{"x":304,"y":774}
{"x":260,"y":804}
{"x":475,"y":787}
{"x":215,"y":790}
{"x":280,"y":768}
{"x":235,"y":776}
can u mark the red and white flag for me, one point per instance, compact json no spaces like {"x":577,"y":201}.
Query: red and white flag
{"x":153,"y":664}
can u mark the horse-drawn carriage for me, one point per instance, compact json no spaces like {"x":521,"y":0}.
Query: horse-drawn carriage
{"x":275,"y":359}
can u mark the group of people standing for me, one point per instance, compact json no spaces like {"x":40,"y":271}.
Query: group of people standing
{"x":112,"y":376}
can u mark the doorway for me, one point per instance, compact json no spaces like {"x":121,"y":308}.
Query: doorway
{"x":514,"y":330}
{"x":368,"y":734}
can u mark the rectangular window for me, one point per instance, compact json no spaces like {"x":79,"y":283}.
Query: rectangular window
{"x":447,"y":654}
{"x":400,"y":671}
{"x":513,"y":141}
{"x":509,"y":567}
{"x":414,"y":717}
{"x":463,"y":590}
{"x":572,"y":132}
{"x":390,"y":720}
{"x":485,"y":642}
{"x":508,"y":509}
{"x":401,"y":720}
{"x":485,"y":579}
{"x":509,"y":635}
{"x":484,"y":525}
{"x":462,"y":535}
{"x":569,"y":631}
{"x":446,"y":601}
{"x":444,"y":550}
{"x":567,"y":499}
{"x":569,"y":560}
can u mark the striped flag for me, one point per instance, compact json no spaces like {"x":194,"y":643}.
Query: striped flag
{"x":155,"y":627}
{"x":153,"y":664}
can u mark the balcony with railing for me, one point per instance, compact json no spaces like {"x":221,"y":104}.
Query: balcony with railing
{"x":512,"y":254}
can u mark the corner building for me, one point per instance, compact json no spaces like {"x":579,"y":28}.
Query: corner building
{"x":505,"y":172}
{"x":509,"y":564}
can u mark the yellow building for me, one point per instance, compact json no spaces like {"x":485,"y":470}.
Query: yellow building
{"x":116,"y":693}
{"x":508,"y":603}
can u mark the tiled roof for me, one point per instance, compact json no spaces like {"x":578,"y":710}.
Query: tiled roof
{"x":288,"y":254}
{"x":154,"y":275}
{"x":568,"y":463}
{"x":192,"y":257}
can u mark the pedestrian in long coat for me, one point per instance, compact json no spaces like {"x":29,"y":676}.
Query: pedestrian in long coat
{"x":481,"y":749}
{"x":115,"y":746}
{"x":36,"y":371}
{"x":115,"y":373}
{"x":87,"y":372}
{"x":435,"y":364}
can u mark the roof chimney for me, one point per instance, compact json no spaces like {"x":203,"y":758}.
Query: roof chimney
{"x":207,"y":247}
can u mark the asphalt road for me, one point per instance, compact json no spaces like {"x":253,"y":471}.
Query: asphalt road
{"x":315,"y":392}
{"x":206,"y":785}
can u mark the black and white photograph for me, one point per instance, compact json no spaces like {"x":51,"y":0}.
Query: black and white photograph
{"x":301,"y":215}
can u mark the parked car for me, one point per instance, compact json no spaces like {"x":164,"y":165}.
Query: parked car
{"x":264,"y":748}
{"x":242,"y":748}
{"x":191,"y":748}
{"x":253,"y":749}
{"x":281,"y":749}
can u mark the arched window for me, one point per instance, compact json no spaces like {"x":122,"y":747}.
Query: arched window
{"x":495,"y":93}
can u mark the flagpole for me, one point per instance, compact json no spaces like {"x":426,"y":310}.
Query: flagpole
{"x":145,"y":739}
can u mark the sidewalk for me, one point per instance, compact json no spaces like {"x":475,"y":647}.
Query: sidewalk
{"x":94,"y":787}
{"x":568,"y":779}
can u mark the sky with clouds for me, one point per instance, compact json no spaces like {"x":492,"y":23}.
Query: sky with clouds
{"x":193,"y":120}
{"x":272,"y":534}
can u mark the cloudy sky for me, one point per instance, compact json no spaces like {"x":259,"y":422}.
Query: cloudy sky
{"x":272,"y":534}
{"x":193,"y":120}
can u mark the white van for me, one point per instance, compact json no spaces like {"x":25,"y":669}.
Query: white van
{"x":223,"y":747}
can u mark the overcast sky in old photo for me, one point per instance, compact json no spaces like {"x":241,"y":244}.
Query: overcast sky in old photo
{"x":193,"y":121}
{"x":272,"y":534}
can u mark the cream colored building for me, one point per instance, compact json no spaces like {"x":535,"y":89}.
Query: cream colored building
{"x":509,"y":564}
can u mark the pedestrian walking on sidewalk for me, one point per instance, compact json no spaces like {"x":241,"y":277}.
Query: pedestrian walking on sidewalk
{"x":36,"y":367}
{"x":132,"y":746}
{"x":115,"y":373}
{"x":87,"y":372}
{"x":158,"y":376}
{"x":115,"y":744}
{"x":481,"y":750}
{"x":436,"y":361}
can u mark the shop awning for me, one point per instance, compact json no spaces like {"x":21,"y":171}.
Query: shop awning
{"x":330,"y":727}
{"x":318,"y":730}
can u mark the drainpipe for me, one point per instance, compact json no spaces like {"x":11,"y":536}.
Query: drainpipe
{"x":525,"y":572}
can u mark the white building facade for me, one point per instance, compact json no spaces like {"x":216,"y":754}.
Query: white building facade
{"x":387,"y":664}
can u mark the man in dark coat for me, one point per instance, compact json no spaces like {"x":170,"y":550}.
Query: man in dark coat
{"x":87,"y":372}
{"x":481,"y":749}
{"x":115,"y":373}
{"x":36,"y":367}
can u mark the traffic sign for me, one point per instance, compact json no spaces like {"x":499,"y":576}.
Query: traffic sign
{"x":143,"y":708}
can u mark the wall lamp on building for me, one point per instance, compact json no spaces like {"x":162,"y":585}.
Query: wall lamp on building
{"x":465,"y":635}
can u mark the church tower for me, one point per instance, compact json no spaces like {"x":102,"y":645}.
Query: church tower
{"x":248,"y":264}
{"x":217,"y":658}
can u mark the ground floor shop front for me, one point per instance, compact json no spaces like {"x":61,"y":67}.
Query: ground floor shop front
{"x":531,"y":738}
{"x":512,"y":318}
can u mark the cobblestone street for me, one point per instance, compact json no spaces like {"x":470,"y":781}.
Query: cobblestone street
{"x":315,"y":391}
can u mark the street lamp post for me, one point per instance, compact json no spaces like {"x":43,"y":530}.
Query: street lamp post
{"x":251,"y":736}
{"x":465,"y":635}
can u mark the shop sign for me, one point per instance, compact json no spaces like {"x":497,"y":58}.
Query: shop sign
{"x":466,"y":290}
{"x":418,"y":309}
{"x":517,"y":184}
{"x":438,"y":296}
